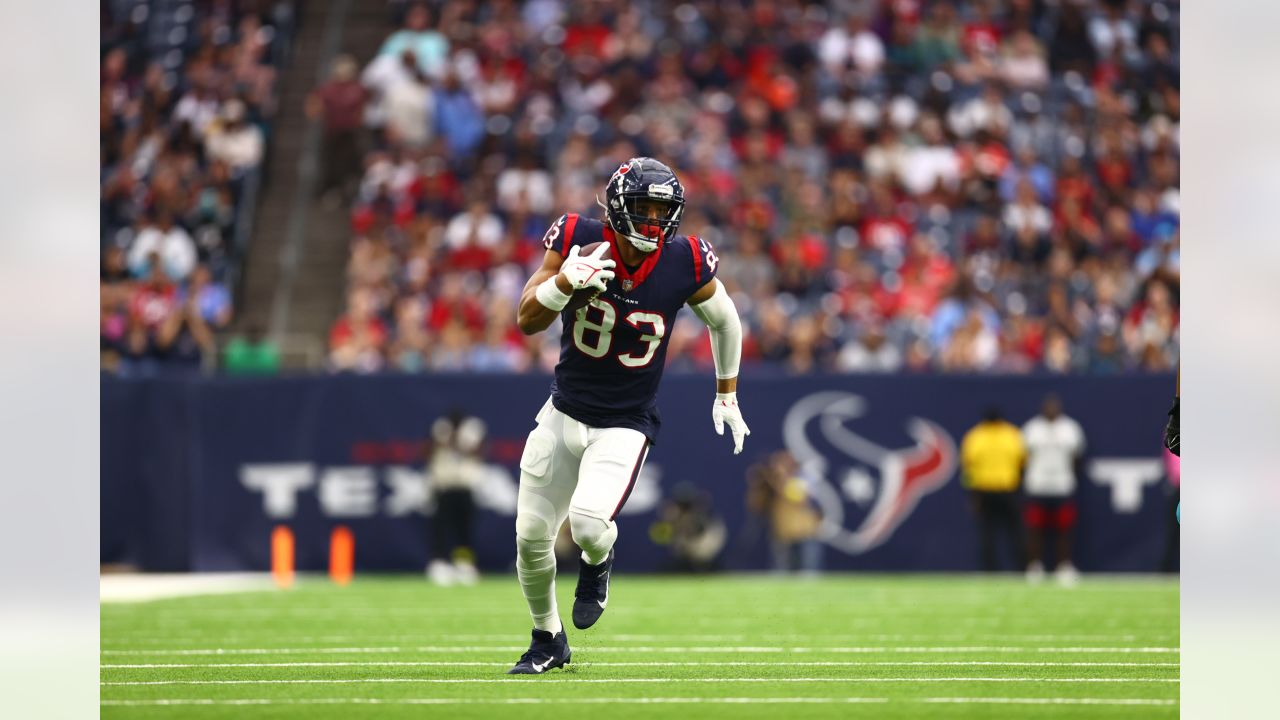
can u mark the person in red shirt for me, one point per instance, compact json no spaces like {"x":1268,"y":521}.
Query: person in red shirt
{"x":587,"y":34}
{"x":982,"y":34}
{"x":884,"y":229}
{"x":339,"y":104}
{"x":155,"y":298}
{"x":358,"y":339}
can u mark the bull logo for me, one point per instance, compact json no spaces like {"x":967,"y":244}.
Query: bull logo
{"x":905,"y":475}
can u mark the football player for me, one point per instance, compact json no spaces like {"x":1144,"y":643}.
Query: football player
{"x":593,"y":433}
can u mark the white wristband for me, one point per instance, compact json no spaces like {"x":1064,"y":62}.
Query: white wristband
{"x":551,"y":296}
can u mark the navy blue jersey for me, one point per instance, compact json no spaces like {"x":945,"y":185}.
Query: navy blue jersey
{"x":613,"y":350}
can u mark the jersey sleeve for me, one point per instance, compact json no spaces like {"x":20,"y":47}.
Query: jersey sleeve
{"x":705,"y":262}
{"x":559,"y":237}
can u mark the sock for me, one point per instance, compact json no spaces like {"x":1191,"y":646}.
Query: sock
{"x":536,"y":568}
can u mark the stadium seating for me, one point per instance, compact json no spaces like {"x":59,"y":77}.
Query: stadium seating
{"x":935,"y":187}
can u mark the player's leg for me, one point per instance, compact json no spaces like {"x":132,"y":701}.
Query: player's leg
{"x":1012,"y":520}
{"x":439,"y":570}
{"x":1035,"y":520}
{"x":464,"y":559}
{"x":1064,"y":523}
{"x":986,"y":530}
{"x":610,"y":465}
{"x":548,"y":475}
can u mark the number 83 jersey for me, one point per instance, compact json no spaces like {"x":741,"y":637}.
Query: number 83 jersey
{"x":613,"y":350}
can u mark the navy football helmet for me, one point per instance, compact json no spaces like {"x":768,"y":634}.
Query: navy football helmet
{"x":638,"y":179}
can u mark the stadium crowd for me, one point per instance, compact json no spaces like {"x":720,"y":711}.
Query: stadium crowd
{"x":896,"y":185}
{"x":187,"y":93}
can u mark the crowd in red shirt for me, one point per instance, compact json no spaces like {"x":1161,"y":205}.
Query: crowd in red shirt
{"x":909,"y":186}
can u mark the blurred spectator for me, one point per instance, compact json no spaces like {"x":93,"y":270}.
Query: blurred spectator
{"x":688,"y":524}
{"x":210,"y":298}
{"x":412,"y":346}
{"x":476,"y":230}
{"x":165,"y":245}
{"x":235,"y":141}
{"x":184,"y":339}
{"x":429,"y":47}
{"x":852,"y":44}
{"x":339,"y":103}
{"x":155,"y":298}
{"x":408,"y":106}
{"x":869,"y":353}
{"x":251,"y":354}
{"x":1055,"y":449}
{"x":777,"y":490}
{"x":1023,"y":65}
{"x":991,"y":459}
{"x":455,"y":467}
{"x":526,"y":187}
{"x":186,"y":102}
{"x":458,"y":118}
{"x":358,"y":339}
{"x":935,"y":169}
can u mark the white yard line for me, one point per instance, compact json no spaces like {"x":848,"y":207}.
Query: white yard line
{"x":633,"y":701}
{"x":126,"y":588}
{"x":743,"y":663}
{"x":655,"y":649}
{"x":1047,"y":701}
{"x":487,"y":681}
{"x":696,"y":637}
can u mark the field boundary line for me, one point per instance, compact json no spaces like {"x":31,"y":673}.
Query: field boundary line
{"x":654,"y":649}
{"x":711,"y":663}
{"x":631,"y":701}
{"x":489,"y":681}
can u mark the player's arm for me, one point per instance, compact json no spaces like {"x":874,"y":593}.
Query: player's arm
{"x":715,"y":308}
{"x":552,"y":286}
{"x":533,"y":315}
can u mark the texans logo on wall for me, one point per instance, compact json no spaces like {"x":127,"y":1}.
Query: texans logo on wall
{"x":865,"y":488}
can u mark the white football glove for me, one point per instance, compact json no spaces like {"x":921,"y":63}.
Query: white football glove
{"x":726,"y":410}
{"x":587,"y":271}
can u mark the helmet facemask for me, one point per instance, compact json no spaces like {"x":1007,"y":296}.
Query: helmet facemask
{"x":637,"y":181}
{"x":642,"y":231}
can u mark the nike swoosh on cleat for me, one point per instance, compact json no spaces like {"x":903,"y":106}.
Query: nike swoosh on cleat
{"x":602,"y":603}
{"x":540,"y":668}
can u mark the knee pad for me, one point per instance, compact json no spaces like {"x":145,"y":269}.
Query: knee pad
{"x":532,"y":530}
{"x":591,"y":532}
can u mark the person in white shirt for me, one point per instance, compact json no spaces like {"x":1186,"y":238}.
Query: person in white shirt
{"x":1055,"y":445}
{"x":456,"y":467}
{"x":235,"y":141}
{"x":474,"y":225}
{"x":173,"y":245}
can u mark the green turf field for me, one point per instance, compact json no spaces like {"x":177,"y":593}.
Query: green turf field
{"x":711,"y":647}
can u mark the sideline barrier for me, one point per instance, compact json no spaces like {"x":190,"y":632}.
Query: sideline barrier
{"x":197,"y":472}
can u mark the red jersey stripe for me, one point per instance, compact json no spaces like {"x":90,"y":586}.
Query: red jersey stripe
{"x":570,"y":221}
{"x":697,"y":258}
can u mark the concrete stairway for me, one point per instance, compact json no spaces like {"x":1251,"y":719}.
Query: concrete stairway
{"x":295,"y":271}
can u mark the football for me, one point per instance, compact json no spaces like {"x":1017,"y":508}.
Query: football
{"x":582,"y":297}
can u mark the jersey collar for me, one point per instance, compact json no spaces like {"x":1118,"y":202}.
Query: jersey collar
{"x":627,"y":279}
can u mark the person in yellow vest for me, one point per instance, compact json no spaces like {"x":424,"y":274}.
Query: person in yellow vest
{"x":991,"y":462}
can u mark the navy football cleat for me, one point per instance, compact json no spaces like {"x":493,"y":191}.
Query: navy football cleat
{"x":592,"y":594}
{"x":547,"y":651}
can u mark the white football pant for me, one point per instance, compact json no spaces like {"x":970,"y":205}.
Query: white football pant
{"x":558,"y":454}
